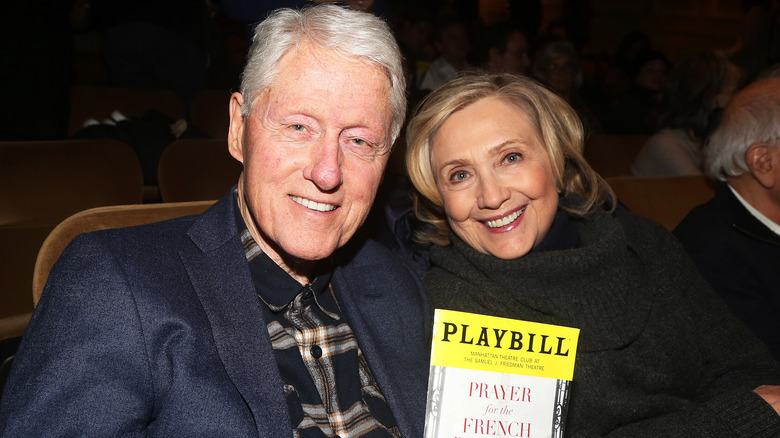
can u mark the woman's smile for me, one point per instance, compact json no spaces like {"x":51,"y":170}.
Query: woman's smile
{"x":503,"y":222}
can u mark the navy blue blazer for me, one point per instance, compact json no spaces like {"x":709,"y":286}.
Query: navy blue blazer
{"x":157,"y":330}
{"x":740,"y":257}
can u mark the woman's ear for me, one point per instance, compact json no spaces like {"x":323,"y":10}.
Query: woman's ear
{"x":236,"y":129}
{"x":762,"y":160}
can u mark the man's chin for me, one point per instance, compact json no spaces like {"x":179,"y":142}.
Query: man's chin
{"x":307,"y":250}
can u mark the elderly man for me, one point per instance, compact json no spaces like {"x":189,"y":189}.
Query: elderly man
{"x":262,"y":316}
{"x":735,"y":237}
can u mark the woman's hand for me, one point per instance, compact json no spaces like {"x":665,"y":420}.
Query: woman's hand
{"x":771,"y":394}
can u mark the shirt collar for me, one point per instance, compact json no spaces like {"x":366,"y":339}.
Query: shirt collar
{"x":275,"y":287}
{"x":775,"y":228}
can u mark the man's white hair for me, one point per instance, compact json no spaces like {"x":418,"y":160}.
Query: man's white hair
{"x":745,"y":122}
{"x":352,"y":34}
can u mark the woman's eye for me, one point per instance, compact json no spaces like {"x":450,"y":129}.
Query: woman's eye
{"x":512,"y":158}
{"x":459,"y":176}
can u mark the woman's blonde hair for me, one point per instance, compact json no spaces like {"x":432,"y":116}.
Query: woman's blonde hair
{"x":557,"y":124}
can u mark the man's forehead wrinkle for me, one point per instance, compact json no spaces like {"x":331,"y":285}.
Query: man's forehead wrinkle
{"x":320,"y":54}
{"x":263,"y":106}
{"x":281,"y":103}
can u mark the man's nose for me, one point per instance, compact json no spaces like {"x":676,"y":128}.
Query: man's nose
{"x":325,"y":170}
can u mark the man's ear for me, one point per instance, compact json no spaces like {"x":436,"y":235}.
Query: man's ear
{"x":236,"y":130}
{"x":762,"y":160}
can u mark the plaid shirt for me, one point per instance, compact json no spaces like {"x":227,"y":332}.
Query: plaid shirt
{"x":329,"y":387}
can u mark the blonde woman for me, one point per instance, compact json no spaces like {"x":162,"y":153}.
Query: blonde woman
{"x":523,"y":228}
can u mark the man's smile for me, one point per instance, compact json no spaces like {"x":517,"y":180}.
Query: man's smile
{"x":313,"y":205}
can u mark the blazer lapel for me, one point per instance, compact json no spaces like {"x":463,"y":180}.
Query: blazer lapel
{"x":221,"y":278}
{"x":382,"y":330}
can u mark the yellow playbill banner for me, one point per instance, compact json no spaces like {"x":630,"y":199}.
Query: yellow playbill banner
{"x":489,"y":343}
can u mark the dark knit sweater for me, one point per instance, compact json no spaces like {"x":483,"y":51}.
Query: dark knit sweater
{"x":659,"y":354}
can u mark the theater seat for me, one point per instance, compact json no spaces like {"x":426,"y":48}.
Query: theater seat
{"x":99,"y":102}
{"x":41,"y":184}
{"x":613,"y":155}
{"x":665,"y":199}
{"x":102,"y":218}
{"x":196,"y":170}
{"x":209,"y":112}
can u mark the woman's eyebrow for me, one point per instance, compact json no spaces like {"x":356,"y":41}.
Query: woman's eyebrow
{"x":497,"y":148}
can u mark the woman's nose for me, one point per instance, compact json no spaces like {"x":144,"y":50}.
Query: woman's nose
{"x":492,"y":193}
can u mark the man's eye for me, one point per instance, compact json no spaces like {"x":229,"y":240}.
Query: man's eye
{"x":298,"y":127}
{"x":367,"y":147}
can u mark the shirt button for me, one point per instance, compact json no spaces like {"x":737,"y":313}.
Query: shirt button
{"x":316,"y":351}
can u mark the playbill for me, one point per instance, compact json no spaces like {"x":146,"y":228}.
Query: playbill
{"x":498,"y":377}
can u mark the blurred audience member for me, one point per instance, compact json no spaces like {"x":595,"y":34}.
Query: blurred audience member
{"x":577,"y":21}
{"x":152,"y":43}
{"x":451,"y":39}
{"x":413,"y":29}
{"x":751,"y":51}
{"x":735,"y":237}
{"x":635,"y":109}
{"x":630,"y":46}
{"x":526,"y":14}
{"x":502,"y":48}
{"x":557,"y":65}
{"x":649,"y":71}
{"x":698,"y":85}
